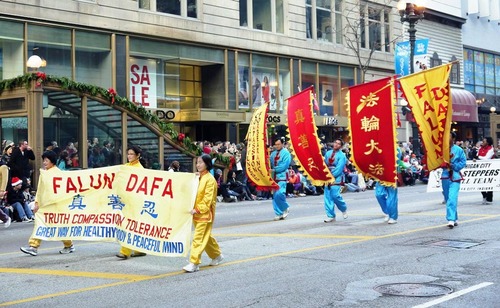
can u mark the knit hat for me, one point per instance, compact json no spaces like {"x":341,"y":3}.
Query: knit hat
{"x":16,"y":181}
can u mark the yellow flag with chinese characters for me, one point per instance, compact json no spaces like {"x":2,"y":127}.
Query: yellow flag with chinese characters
{"x":429,"y":98}
{"x":258,"y":164}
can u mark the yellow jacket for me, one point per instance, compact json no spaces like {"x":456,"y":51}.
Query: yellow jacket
{"x":206,"y":198}
{"x":136,"y":163}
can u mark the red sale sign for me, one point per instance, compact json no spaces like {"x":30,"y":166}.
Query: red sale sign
{"x":143,"y":82}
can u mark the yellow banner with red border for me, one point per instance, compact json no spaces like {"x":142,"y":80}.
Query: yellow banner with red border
{"x":257,"y":163}
{"x":429,"y":98}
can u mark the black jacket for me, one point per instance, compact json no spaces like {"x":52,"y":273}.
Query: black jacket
{"x":15,"y":196}
{"x":19,"y":164}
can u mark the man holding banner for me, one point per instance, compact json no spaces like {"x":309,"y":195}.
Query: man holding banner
{"x":335,"y":159}
{"x":280,"y":161}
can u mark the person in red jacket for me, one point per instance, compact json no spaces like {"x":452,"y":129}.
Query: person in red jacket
{"x":486,"y":151}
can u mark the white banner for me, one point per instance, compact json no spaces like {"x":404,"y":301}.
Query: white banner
{"x":479,"y":175}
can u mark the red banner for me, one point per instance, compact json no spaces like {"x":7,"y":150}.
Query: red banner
{"x":373,"y":131}
{"x":304,"y":139}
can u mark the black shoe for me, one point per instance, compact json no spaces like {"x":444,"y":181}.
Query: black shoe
{"x":228,"y":199}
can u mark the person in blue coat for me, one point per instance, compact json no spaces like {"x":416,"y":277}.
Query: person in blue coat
{"x":280,"y":161}
{"x":336,"y":160}
{"x":451,"y":178}
{"x":387,"y":197}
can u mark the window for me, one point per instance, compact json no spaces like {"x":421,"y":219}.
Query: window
{"x":327,"y":16}
{"x":93,"y":58}
{"x":455,"y":71}
{"x":375,"y":28}
{"x":435,"y":61}
{"x":184,"y":8}
{"x":267,"y":15}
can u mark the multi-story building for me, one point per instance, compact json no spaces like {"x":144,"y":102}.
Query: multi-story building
{"x":443,"y":25}
{"x":201,"y":64}
{"x":482,"y":63}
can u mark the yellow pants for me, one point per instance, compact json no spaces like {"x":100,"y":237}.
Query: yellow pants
{"x":203,"y":241}
{"x":34,"y":242}
{"x":127,"y":251}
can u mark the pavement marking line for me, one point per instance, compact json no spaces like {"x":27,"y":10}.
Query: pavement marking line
{"x":72,"y":273}
{"x":230,"y":263}
{"x":453,"y":295}
{"x":109,"y":285}
{"x":292,"y":235}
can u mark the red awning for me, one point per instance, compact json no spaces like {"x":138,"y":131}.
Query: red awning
{"x":464,"y":106}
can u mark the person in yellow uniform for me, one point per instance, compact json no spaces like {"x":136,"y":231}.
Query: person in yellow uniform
{"x":49,"y":163}
{"x":203,"y":217}
{"x":133,"y":158}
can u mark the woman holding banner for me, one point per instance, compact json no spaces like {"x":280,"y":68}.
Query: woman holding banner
{"x":134,"y":160}
{"x":49,"y":164}
{"x":203,"y":217}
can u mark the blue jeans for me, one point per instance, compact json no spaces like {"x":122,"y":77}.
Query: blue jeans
{"x":23,"y":210}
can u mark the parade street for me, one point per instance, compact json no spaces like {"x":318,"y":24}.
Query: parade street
{"x":297,"y":262}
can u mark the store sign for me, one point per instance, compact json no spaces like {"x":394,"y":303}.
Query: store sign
{"x":276,"y":119}
{"x":143,"y":82}
{"x":330,"y":121}
{"x":165,"y":114}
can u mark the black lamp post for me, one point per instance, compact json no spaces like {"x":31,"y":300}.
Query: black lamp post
{"x":412,"y":13}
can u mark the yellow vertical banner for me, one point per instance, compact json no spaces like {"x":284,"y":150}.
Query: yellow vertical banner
{"x":258,"y":164}
{"x":429,"y":97}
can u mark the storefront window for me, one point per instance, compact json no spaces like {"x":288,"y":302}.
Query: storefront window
{"x":346,"y":80}
{"x":479,"y":72}
{"x":14,"y":129}
{"x":54,"y":46}
{"x":308,"y":76}
{"x":139,"y":135}
{"x":93,"y":58}
{"x":328,"y":94}
{"x":61,"y":118}
{"x":283,"y":90}
{"x":497,"y":74}
{"x":243,"y":80}
{"x":104,"y":133}
{"x":263,"y":74}
{"x":11,"y":49}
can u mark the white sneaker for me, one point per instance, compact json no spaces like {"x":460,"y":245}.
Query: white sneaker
{"x":217,"y":260}
{"x":344,"y":214}
{"x":285,"y":214}
{"x":7,"y":223}
{"x":386,"y":218}
{"x":484,"y":201}
{"x":330,"y":219}
{"x":451,"y":224}
{"x":66,"y":250}
{"x":30,"y":250}
{"x":191,"y":268}
{"x":392,"y":221}
{"x":278,"y":217}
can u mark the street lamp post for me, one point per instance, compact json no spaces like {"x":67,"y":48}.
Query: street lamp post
{"x":412,"y":13}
